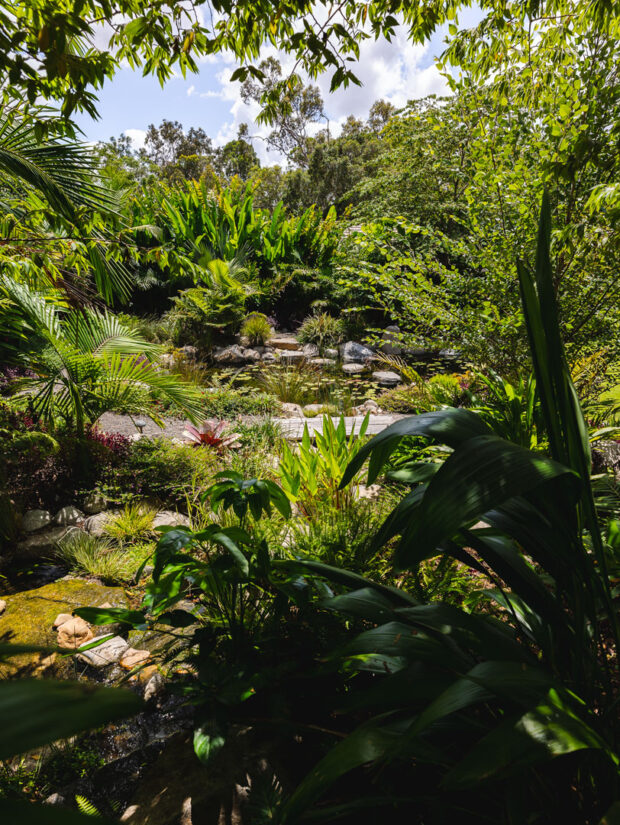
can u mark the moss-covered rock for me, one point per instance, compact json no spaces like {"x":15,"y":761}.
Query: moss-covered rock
{"x":30,"y":614}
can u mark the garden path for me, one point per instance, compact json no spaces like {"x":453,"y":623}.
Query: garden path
{"x":292,"y":428}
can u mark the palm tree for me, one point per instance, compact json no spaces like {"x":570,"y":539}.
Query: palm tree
{"x":86,"y":363}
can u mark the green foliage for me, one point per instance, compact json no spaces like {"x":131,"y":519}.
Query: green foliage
{"x":256,"y":329}
{"x":94,"y":556}
{"x":290,"y":384}
{"x":513,"y":410}
{"x":226,"y":402}
{"x":310,"y":473}
{"x":87,"y":363}
{"x":134,"y":523}
{"x":321,"y":329}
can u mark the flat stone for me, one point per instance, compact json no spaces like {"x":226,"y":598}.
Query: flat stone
{"x":292,"y":356}
{"x":94,"y":503}
{"x":36,"y":520}
{"x":284,"y":342}
{"x":74,"y":633}
{"x":353,"y":369}
{"x":42,"y":542}
{"x":170,"y":518}
{"x":292,"y":411}
{"x":322,"y":362}
{"x":386,"y":378}
{"x":354,"y":353}
{"x":68,"y":515}
{"x":132,"y":658}
{"x":310,"y":350}
{"x":107,"y":653}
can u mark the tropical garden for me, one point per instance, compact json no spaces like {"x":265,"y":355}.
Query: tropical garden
{"x":310,"y":472}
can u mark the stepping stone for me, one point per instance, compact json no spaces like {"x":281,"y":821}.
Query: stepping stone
{"x":284,"y":342}
{"x":353,"y":369}
{"x":386,"y":378}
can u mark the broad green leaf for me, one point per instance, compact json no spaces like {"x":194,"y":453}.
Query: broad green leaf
{"x":35,"y":713}
{"x":110,"y":615}
{"x":208,"y":741}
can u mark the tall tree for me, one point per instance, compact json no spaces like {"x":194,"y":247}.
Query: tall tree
{"x":179,"y":154}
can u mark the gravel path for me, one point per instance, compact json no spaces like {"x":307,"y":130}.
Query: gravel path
{"x":291,"y":427}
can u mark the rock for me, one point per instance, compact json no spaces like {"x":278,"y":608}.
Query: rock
{"x":189,"y":352}
{"x":268,"y":357}
{"x":354,"y":353}
{"x":30,"y":613}
{"x":43,"y":542}
{"x":166,"y":360}
{"x":36,"y":520}
{"x":605,"y":457}
{"x":132,"y":658}
{"x":251,"y":356}
{"x":386,"y":378}
{"x":68,"y":515}
{"x":322,"y":362}
{"x":353,"y":369}
{"x":2,"y":606}
{"x":154,"y":687}
{"x":95,"y":525}
{"x":169,"y":518}
{"x":105,"y":654}
{"x":315,"y":409}
{"x":54,"y":799}
{"x":62,"y":618}
{"x":284,"y":342}
{"x":369,"y":406}
{"x":292,"y":411}
{"x":390,"y":341}
{"x":372,"y":492}
{"x":292,"y":356}
{"x":74,"y":633}
{"x":234,"y":354}
{"x":94,"y":503}
{"x":330,"y":352}
{"x":310,"y":350}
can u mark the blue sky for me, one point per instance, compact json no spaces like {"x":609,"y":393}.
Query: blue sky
{"x":395,"y":71}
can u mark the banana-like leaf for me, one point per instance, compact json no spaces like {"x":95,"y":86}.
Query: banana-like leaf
{"x":450,"y":426}
{"x":15,"y":812}
{"x":482,"y":473}
{"x":37,"y":712}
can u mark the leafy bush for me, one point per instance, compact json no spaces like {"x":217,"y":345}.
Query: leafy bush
{"x":321,"y":329}
{"x":313,"y":473}
{"x":445,"y":390}
{"x":227,"y":403}
{"x":157,"y":468}
{"x":257,"y":329}
{"x":403,"y":399}
{"x":199,"y":312}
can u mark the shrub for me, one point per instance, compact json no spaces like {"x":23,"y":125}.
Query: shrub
{"x":256,"y":329}
{"x":159,"y":469}
{"x":198,"y":312}
{"x":224,"y":402}
{"x":321,"y":329}
{"x":403,"y":399}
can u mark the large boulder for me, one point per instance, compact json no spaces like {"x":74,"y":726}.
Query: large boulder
{"x":310,"y":350}
{"x":36,"y":520}
{"x":43,"y":542}
{"x":170,"y":518}
{"x":68,"y":515}
{"x":354,"y":353}
{"x":94,"y":503}
{"x":292,"y":411}
{"x":233,"y":355}
{"x":252,"y":356}
{"x":390,"y":341}
{"x":95,"y":525}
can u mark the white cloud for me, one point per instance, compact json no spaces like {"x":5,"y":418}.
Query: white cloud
{"x":397,"y":72}
{"x":137,"y":137}
{"x":191,"y":90}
